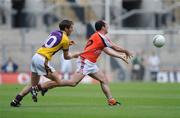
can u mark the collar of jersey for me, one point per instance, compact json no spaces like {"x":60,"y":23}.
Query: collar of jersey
{"x":103,"y":36}
{"x":64,"y":33}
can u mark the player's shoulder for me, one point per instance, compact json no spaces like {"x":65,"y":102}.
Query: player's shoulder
{"x":95,"y":35}
{"x":56,"y":33}
{"x":65,"y":38}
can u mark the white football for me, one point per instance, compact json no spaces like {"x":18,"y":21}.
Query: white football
{"x":159,"y":40}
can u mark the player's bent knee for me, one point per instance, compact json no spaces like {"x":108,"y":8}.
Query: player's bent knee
{"x":104,"y":81}
{"x":57,"y":83}
{"x":73,"y":84}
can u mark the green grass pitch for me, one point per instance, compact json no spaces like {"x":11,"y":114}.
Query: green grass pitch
{"x":140,"y":100}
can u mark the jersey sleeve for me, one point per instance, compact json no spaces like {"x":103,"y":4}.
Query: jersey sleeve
{"x":106,"y":41}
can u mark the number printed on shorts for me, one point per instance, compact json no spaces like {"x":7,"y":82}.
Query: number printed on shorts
{"x":51,"y":42}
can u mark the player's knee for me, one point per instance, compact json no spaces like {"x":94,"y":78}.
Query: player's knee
{"x":73,"y":84}
{"x":104,"y":81}
{"x":58,"y":83}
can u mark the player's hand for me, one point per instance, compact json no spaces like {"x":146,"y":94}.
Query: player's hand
{"x":125,"y":58}
{"x":71,"y":42}
{"x":129,"y":55}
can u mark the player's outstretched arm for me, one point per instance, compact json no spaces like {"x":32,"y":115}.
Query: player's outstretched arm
{"x":120,"y":49}
{"x":68,"y":55}
{"x":116,"y":54}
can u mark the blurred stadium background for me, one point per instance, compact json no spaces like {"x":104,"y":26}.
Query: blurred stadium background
{"x":24,"y":24}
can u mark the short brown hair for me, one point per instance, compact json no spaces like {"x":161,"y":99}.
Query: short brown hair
{"x":65,"y":24}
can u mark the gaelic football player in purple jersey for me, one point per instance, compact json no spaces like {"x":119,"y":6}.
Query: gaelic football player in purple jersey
{"x":40,"y":66}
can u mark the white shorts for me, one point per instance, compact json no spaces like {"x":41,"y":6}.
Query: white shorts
{"x":86,"y":67}
{"x":40,"y":65}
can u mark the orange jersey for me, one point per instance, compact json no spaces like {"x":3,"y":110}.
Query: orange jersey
{"x":96,"y":43}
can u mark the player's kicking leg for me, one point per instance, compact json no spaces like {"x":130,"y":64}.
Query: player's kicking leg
{"x":77,"y":77}
{"x":105,"y":87}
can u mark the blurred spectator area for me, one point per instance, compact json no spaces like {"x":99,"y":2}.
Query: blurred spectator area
{"x":77,"y":10}
{"x":123,"y":13}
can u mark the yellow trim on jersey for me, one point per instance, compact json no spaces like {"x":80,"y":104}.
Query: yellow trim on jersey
{"x":49,"y":52}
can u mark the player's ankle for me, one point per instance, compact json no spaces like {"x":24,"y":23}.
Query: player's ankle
{"x":18,"y":98}
{"x":111,"y":101}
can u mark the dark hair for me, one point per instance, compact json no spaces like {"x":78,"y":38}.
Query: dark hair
{"x":65,"y":24}
{"x":99,"y":24}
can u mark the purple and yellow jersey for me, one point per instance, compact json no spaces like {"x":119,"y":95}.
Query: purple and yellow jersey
{"x":56,"y":41}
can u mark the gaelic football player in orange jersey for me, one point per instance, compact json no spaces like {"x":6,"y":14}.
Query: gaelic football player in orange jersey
{"x":86,"y":64}
{"x":40,"y":66}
